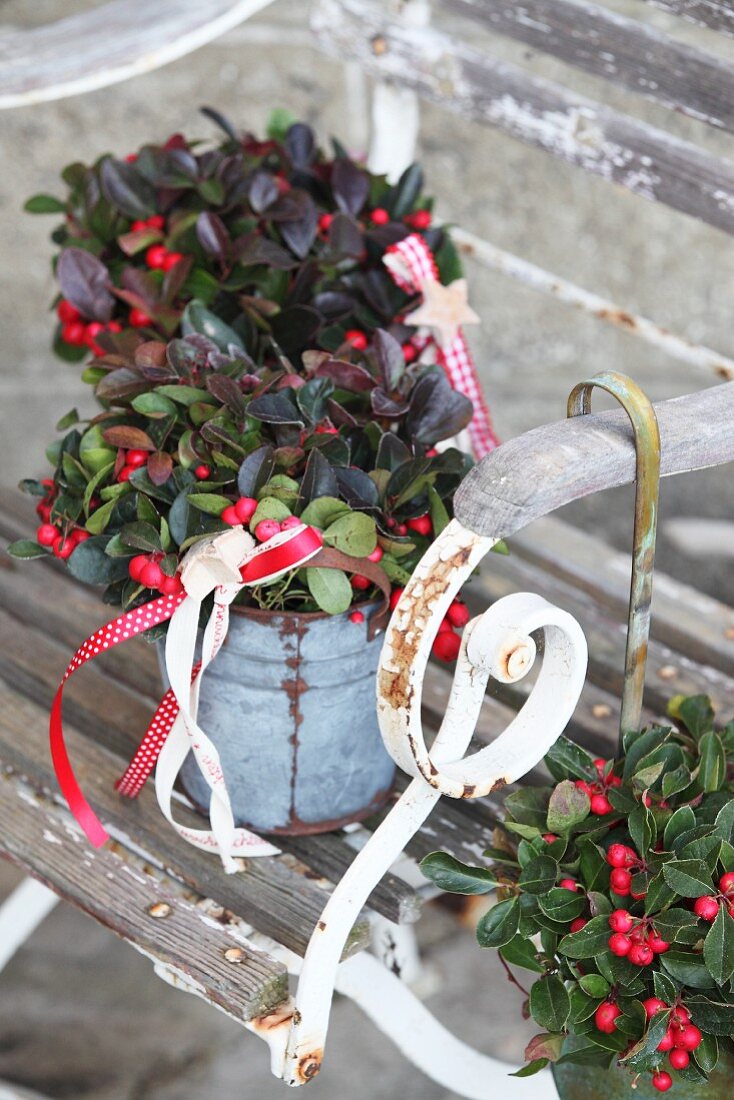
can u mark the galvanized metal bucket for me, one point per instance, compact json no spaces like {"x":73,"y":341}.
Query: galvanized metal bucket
{"x":289,"y":703}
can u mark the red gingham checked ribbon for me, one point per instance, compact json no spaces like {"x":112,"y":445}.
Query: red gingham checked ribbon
{"x":454,"y":357}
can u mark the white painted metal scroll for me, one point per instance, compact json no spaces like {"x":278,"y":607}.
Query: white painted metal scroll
{"x":497,"y":643}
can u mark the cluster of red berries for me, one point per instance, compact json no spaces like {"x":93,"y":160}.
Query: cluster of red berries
{"x":420,"y":219}
{"x":707,"y":907}
{"x":680,"y":1040}
{"x":62,"y":545}
{"x":359,"y":340}
{"x":597,"y":792}
{"x":145,"y":570}
{"x":157,"y":256}
{"x":242,"y":511}
{"x":132,"y":459}
{"x":447,"y":643}
{"x":80,"y":333}
{"x":624,"y":861}
{"x":635,"y":939}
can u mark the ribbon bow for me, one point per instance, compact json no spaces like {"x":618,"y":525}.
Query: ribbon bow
{"x":444,"y":309}
{"x":223,"y":564}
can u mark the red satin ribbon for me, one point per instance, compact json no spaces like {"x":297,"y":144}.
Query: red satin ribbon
{"x":267,"y":561}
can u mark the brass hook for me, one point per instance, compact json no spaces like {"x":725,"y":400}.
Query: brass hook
{"x":647,"y":449}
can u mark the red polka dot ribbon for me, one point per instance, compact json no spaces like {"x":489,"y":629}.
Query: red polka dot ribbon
{"x":279,"y":555}
{"x":411,"y":265}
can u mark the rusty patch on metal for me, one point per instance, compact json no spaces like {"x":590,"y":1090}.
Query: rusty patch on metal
{"x":469,"y":789}
{"x":395,"y":687}
{"x":617,"y":317}
{"x":309,"y":1065}
{"x":279,"y":1018}
{"x":322,"y":926}
{"x":497,"y":785}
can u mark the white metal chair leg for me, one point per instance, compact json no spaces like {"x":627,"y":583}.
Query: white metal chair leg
{"x":20,"y":915}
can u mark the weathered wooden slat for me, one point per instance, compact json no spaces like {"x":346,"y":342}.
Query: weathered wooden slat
{"x":109,"y":43}
{"x":615,"y":48}
{"x":683,"y":618}
{"x":272,"y":894}
{"x":716,"y":14}
{"x":645,"y":160}
{"x":151,"y":911}
{"x":542,"y":470}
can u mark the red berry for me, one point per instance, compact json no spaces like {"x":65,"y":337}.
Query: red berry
{"x":139,"y":319}
{"x":584,"y":786}
{"x":156,"y":255}
{"x":666,"y":1043}
{"x":410,"y":352}
{"x":421,"y":525}
{"x":620,"y":920}
{"x":549,"y":838}
{"x":679,"y":1058}
{"x":65,"y":311}
{"x":63,"y":548}
{"x":202,"y":472}
{"x":245,"y":507}
{"x":266,"y":529}
{"x":156,"y":221}
{"x":395,"y":597}
{"x":621,"y":855}
{"x":647,"y":800}
{"x":458,"y":614}
{"x":125,"y":472}
{"x":614,"y":781}
{"x":325,"y":221}
{"x":171,"y":259}
{"x":356,"y":338}
{"x":170,"y":586}
{"x":136,"y":565}
{"x":600,"y":764}
{"x":605,"y":1017}
{"x":377,"y":554}
{"x":652,"y":1006}
{"x":641,"y":954}
{"x":74,"y":333}
{"x":92,"y":331}
{"x":356,"y":617}
{"x":726,"y":883}
{"x":401,"y":529}
{"x":681,"y":1015}
{"x":620,"y":944}
{"x":578,"y":924}
{"x":620,"y":881}
{"x":47,"y":534}
{"x":600,"y":805}
{"x":688,"y":1038}
{"x":658,"y":944}
{"x":136,"y":457}
{"x":420,"y":219}
{"x":79,"y":535}
{"x":114,"y":326}
{"x":138,"y":225}
{"x":229,"y":515}
{"x":446,"y":646}
{"x":706,"y":907}
{"x":288,"y":523}
{"x":379,"y":216}
{"x":151,"y":574}
{"x":360,"y":582}
{"x":569,"y":884}
{"x":662,"y":1081}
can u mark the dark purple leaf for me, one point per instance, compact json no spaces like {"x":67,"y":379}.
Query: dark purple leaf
{"x":212,"y":234}
{"x":274,"y":408}
{"x":319,"y":480}
{"x":391,"y":452}
{"x":382,"y":293}
{"x":299,"y":235}
{"x":295,"y":328}
{"x":124,"y":435}
{"x":345,"y":236}
{"x":390,"y":359}
{"x":121,"y":383}
{"x":226,"y":390}
{"x":333,"y":303}
{"x":126,"y":189}
{"x":263,"y":191}
{"x":160,"y":467}
{"x":300,"y":144}
{"x":356,"y":488}
{"x":167,"y":168}
{"x":350,"y":186}
{"x":383,"y":405}
{"x":346,"y":376}
{"x":437,"y":411}
{"x":220,"y":121}
{"x":339,"y":415}
{"x":255,"y":471}
{"x":406,"y":192}
{"x":174,"y":279}
{"x":385,"y":235}
{"x":141,"y":283}
{"x":254,"y":249}
{"x":85,"y":282}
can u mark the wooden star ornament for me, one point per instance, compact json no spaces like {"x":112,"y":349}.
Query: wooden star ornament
{"x":444,"y":309}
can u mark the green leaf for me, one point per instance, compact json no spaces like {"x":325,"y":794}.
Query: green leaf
{"x":687,"y":969}
{"x":690,"y":878}
{"x":676,"y":781}
{"x":90,"y":564}
{"x":594,"y":985}
{"x":498,"y":926}
{"x":72,"y":417}
{"x":141,"y":536}
{"x":707,"y":1053}
{"x":530,"y":1069}
{"x":521,"y":951}
{"x":354,"y":534}
{"x":642,"y":828}
{"x":641,"y":1052}
{"x":456,"y":877}
{"x":562,"y":905}
{"x":26,"y":549}
{"x":718,"y":947}
{"x":437,"y":509}
{"x":155,"y":405}
{"x":695,"y":712}
{"x":712,"y":763}
{"x":93,"y":483}
{"x":677,"y":924}
{"x":539,"y":875}
{"x":591,"y":940}
{"x":566,"y":760}
{"x":714,"y":1013}
{"x":724,"y":824}
{"x":184,"y":395}
{"x":211,"y":503}
{"x":330,"y":588}
{"x":44,"y":204}
{"x":324,"y":511}
{"x":550,"y":1004}
{"x":269,"y":508}
{"x":100,"y":517}
{"x":659,"y":894}
{"x":567,"y":807}
{"x":680,"y":822}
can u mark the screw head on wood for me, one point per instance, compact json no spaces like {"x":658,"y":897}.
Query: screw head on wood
{"x":159,"y":910}
{"x":668,"y":672}
{"x":379,"y":45}
{"x":601,"y":710}
{"x":235,"y":955}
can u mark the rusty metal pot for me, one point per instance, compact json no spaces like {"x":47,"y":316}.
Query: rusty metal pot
{"x":290,"y":705}
{"x":590,"y":1083}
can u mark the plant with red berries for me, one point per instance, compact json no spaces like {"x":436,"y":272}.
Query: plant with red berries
{"x":616,"y":886}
